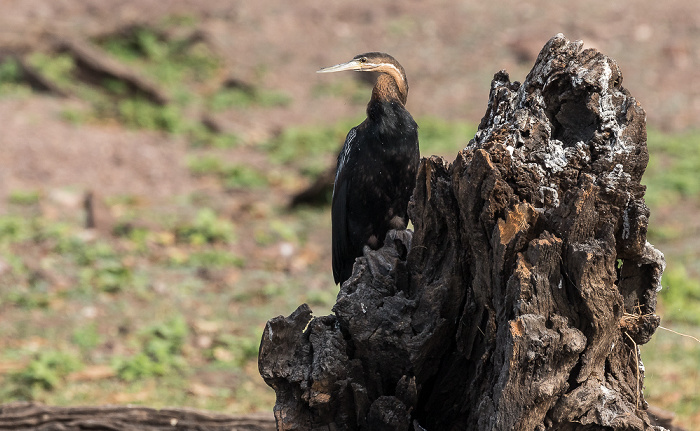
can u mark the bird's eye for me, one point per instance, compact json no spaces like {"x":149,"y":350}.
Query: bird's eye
{"x":363,"y":60}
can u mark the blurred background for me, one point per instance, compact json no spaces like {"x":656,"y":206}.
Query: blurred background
{"x":149,"y":150}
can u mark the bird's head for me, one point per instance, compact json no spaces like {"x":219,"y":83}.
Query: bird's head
{"x":375,"y":62}
{"x":369,"y":62}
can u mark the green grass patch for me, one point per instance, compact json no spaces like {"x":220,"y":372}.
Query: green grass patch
{"x":296,"y":144}
{"x":10,"y":71}
{"x":212,"y":258}
{"x":107,"y":275}
{"x":160,"y":353}
{"x":674,"y":163}
{"x":308,"y":148}
{"x":11,"y":78}
{"x":234,"y":350}
{"x":139,"y":113}
{"x":33,"y":295}
{"x":179,"y":20}
{"x":14,"y":229}
{"x":207,"y":227}
{"x":443,"y":138}
{"x":680,"y":295}
{"x":46,"y":371}
{"x":201,"y":136}
{"x":229,"y":98}
{"x":76,"y":117}
{"x":86,"y":337}
{"x":672,"y":375}
{"x":172,"y":60}
{"x":232,"y":176}
{"x":58,"y":68}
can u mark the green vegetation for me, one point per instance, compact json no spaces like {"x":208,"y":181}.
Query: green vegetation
{"x":317,"y":144}
{"x":231,"y":176}
{"x":139,"y":113}
{"x":680,"y":295}
{"x":24,"y":197}
{"x":443,"y":138}
{"x":172,"y":297}
{"x":11,"y":82}
{"x":176,"y":60}
{"x":672,"y":374}
{"x":309,"y":141}
{"x":87,"y":337}
{"x":436,"y":136}
{"x":672,"y":173}
{"x":207,"y":227}
{"x":160,"y":351}
{"x":170,"y":60}
{"x":120,"y":301}
{"x":10,"y":71}
{"x":45,"y":371}
{"x":246,"y":98}
{"x":57,"y":68}
{"x":210,"y":259}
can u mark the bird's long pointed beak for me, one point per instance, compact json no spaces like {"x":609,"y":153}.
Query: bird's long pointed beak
{"x":350,"y":65}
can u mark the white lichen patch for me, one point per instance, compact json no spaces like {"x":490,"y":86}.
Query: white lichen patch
{"x":554,"y":156}
{"x":577,"y":79}
{"x":582,"y":150}
{"x":607,"y":394}
{"x":609,"y":397}
{"x":549,"y":195}
{"x":653,"y":255}
{"x":608,"y":114}
{"x":615,"y":179}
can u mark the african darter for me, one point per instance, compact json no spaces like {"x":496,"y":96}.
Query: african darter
{"x":377,"y":167}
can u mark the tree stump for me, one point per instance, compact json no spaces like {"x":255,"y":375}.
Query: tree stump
{"x":521,"y":299}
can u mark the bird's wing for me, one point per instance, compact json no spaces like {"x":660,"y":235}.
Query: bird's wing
{"x":340,"y":231}
{"x":345,"y":152}
{"x":339,"y":209}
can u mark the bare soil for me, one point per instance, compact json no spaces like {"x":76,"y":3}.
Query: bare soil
{"x":450,"y":51}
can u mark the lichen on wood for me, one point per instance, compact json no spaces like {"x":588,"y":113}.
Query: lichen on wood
{"x":521,"y":299}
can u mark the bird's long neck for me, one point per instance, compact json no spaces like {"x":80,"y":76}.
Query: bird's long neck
{"x":391,"y":86}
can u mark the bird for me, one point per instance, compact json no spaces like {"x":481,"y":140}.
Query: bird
{"x":377,"y":165}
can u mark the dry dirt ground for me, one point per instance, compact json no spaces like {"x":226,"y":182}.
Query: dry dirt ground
{"x":450,"y":49}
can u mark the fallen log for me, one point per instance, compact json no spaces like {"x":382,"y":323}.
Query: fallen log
{"x":94,"y":65}
{"x":318,"y":192}
{"x":520,"y":301}
{"x":37,"y":81}
{"x":34,"y":416}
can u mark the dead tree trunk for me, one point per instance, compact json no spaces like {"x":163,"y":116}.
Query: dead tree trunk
{"x":521,"y":298}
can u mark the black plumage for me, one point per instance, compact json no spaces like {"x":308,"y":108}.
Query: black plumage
{"x":377,"y":166}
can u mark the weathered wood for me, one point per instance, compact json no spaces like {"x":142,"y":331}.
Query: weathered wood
{"x":527,"y":287}
{"x":37,"y":80}
{"x":33,"y":416}
{"x":94,"y":65}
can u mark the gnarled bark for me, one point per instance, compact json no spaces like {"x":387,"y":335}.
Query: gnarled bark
{"x":521,"y":298}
